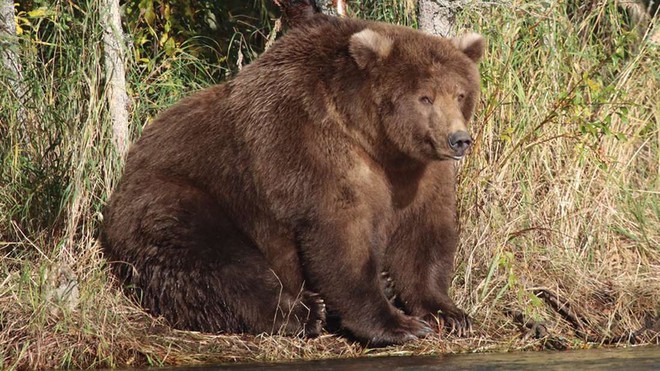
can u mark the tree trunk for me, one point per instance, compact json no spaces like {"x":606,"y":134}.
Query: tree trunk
{"x":299,"y":11}
{"x":114,"y":52}
{"x":438,"y":16}
{"x":332,"y":7}
{"x":9,"y":55}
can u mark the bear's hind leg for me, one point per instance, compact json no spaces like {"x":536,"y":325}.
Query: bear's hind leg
{"x":189,"y":263}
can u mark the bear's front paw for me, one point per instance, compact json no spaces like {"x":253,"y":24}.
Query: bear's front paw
{"x":455,"y":322}
{"x":401,"y":329}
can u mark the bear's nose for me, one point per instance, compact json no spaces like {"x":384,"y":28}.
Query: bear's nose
{"x":460,"y":141}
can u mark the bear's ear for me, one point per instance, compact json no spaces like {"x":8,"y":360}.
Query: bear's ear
{"x":472,"y":44}
{"x":369,"y":46}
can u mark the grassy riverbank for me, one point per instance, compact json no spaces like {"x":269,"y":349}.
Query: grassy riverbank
{"x":559,"y":201}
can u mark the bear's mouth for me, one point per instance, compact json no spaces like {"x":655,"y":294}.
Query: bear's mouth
{"x":432,"y":145}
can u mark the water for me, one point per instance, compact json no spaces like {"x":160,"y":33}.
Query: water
{"x":642,"y":358}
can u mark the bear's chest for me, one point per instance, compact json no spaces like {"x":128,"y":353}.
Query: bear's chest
{"x":404,"y":182}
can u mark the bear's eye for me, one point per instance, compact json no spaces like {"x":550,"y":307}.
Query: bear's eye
{"x":426,"y":100}
{"x":460,"y":97}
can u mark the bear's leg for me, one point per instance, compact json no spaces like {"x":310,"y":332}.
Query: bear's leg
{"x":340,"y":251}
{"x":420,"y":258}
{"x":189,"y":263}
{"x":333,"y":323}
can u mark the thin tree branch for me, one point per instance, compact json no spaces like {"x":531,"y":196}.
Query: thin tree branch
{"x":114,"y":51}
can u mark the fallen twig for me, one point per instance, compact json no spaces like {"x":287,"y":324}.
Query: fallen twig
{"x":580,"y":324}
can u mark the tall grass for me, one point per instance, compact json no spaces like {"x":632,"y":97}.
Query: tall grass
{"x":561,"y":192}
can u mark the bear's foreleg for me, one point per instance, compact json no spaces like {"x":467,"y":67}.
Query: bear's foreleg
{"x":420,"y":259}
{"x":341,"y":259}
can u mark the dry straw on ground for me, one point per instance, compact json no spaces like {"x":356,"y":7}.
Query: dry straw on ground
{"x":559,"y":200}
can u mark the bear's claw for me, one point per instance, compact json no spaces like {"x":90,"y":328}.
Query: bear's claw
{"x":316,"y":314}
{"x":388,"y":286}
{"x":458,"y":324}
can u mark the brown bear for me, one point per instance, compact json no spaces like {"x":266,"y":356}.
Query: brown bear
{"x":250,"y":205}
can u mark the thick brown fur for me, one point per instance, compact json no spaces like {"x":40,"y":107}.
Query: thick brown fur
{"x":323,"y":163}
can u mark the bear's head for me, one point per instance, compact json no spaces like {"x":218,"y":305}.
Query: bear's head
{"x":424,"y":87}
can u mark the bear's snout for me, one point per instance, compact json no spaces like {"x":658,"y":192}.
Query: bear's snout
{"x":459,"y":142}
